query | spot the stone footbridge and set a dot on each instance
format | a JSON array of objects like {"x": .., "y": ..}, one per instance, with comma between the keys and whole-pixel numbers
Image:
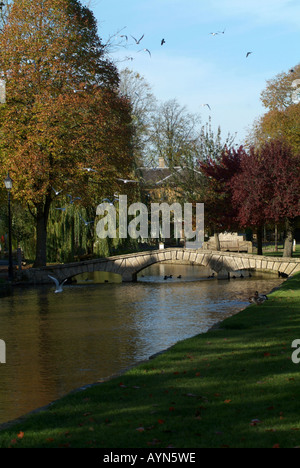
[{"x": 223, "y": 264}]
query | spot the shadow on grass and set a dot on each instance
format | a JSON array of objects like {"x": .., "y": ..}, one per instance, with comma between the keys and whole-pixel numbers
[{"x": 231, "y": 387}]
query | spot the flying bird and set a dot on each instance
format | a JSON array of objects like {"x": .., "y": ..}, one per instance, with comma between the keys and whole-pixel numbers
[
  {"x": 86, "y": 222},
  {"x": 203, "y": 105},
  {"x": 248, "y": 53},
  {"x": 145, "y": 50},
  {"x": 89, "y": 169},
  {"x": 222, "y": 32},
  {"x": 72, "y": 199},
  {"x": 138, "y": 41},
  {"x": 126, "y": 181},
  {"x": 56, "y": 191},
  {"x": 107, "y": 200},
  {"x": 214, "y": 34},
  {"x": 59, "y": 286},
  {"x": 162, "y": 42}
]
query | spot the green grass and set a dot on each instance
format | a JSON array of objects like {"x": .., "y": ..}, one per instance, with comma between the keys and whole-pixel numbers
[
  {"x": 269, "y": 252},
  {"x": 232, "y": 387}
]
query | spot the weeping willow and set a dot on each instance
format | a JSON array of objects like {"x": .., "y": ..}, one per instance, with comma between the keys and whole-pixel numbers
[{"x": 71, "y": 236}]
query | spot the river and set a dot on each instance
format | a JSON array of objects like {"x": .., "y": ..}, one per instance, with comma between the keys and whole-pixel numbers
[{"x": 56, "y": 343}]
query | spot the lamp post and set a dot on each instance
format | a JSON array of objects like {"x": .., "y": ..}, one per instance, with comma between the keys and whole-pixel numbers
[{"x": 8, "y": 185}]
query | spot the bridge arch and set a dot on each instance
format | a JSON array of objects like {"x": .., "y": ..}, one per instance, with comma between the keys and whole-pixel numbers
[{"x": 128, "y": 266}]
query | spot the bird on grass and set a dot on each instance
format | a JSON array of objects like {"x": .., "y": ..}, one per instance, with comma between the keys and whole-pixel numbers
[
  {"x": 258, "y": 299},
  {"x": 59, "y": 286}
]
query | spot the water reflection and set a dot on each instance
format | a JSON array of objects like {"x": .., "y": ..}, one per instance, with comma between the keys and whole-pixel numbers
[{"x": 58, "y": 342}]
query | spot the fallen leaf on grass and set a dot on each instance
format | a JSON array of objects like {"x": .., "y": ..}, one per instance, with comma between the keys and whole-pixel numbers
[
  {"x": 21, "y": 435},
  {"x": 227, "y": 401}
]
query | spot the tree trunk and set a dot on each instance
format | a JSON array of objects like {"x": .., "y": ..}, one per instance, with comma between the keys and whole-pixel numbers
[
  {"x": 259, "y": 234},
  {"x": 217, "y": 241},
  {"x": 276, "y": 238},
  {"x": 288, "y": 242},
  {"x": 41, "y": 233}
]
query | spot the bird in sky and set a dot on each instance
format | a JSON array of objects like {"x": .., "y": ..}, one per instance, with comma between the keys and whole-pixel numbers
[
  {"x": 56, "y": 191},
  {"x": 203, "y": 105},
  {"x": 72, "y": 199},
  {"x": 145, "y": 50},
  {"x": 214, "y": 33},
  {"x": 162, "y": 42},
  {"x": 89, "y": 169},
  {"x": 86, "y": 222},
  {"x": 107, "y": 200},
  {"x": 126, "y": 181},
  {"x": 138, "y": 40},
  {"x": 222, "y": 32},
  {"x": 248, "y": 53},
  {"x": 59, "y": 286}
]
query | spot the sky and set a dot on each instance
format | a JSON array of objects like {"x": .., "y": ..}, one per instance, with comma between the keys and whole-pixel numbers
[{"x": 193, "y": 66}]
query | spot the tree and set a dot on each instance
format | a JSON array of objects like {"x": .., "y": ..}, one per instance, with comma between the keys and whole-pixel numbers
[
  {"x": 266, "y": 189},
  {"x": 174, "y": 134},
  {"x": 63, "y": 113},
  {"x": 282, "y": 121},
  {"x": 220, "y": 212},
  {"x": 143, "y": 103}
]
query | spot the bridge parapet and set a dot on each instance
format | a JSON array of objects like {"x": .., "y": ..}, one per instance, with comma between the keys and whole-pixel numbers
[{"x": 224, "y": 264}]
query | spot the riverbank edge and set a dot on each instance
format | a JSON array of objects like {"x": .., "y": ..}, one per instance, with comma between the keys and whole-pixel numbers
[{"x": 217, "y": 326}]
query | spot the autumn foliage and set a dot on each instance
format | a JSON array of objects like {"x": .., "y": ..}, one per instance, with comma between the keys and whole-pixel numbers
[{"x": 63, "y": 113}]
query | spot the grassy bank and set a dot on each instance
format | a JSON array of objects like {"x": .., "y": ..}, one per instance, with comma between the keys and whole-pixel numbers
[{"x": 235, "y": 386}]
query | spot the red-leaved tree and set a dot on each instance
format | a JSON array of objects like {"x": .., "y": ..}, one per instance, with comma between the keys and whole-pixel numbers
[{"x": 267, "y": 189}]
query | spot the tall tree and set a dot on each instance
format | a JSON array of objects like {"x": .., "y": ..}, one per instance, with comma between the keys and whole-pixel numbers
[
  {"x": 220, "y": 212},
  {"x": 134, "y": 87},
  {"x": 174, "y": 133},
  {"x": 282, "y": 119},
  {"x": 266, "y": 189},
  {"x": 63, "y": 113}
]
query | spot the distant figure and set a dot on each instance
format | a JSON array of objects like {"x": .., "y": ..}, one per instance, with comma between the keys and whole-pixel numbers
[
  {"x": 242, "y": 276},
  {"x": 179, "y": 276},
  {"x": 282, "y": 275},
  {"x": 211, "y": 276}
]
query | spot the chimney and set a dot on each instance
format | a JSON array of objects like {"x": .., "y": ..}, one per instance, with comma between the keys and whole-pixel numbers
[{"x": 161, "y": 162}]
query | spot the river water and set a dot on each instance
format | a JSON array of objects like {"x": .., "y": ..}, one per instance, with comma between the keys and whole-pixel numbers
[{"x": 56, "y": 343}]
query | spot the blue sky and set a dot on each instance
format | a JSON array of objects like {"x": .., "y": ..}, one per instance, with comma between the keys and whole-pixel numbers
[{"x": 195, "y": 67}]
